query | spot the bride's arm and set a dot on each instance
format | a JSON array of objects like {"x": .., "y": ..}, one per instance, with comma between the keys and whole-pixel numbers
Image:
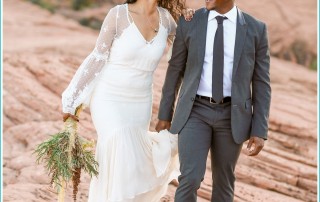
[
  {"x": 82, "y": 82},
  {"x": 171, "y": 34}
]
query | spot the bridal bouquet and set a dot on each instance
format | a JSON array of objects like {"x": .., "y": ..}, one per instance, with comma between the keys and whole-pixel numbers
[{"x": 65, "y": 154}]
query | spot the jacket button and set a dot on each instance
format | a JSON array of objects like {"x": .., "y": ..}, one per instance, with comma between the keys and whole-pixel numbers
[{"x": 192, "y": 99}]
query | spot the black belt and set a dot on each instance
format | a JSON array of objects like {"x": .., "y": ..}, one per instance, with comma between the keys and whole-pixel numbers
[{"x": 224, "y": 100}]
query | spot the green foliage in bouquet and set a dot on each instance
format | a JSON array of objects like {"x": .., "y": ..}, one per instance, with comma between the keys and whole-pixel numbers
[{"x": 65, "y": 154}]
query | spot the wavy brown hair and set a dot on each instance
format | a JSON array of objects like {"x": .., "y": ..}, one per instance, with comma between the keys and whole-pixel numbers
[{"x": 175, "y": 7}]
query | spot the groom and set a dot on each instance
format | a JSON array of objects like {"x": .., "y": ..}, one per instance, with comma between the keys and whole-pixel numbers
[{"x": 221, "y": 61}]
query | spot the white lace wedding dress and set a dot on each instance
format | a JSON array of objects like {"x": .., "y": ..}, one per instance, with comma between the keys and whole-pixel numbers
[{"x": 115, "y": 80}]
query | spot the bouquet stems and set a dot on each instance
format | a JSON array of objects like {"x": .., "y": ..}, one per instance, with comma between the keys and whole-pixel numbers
[{"x": 62, "y": 191}]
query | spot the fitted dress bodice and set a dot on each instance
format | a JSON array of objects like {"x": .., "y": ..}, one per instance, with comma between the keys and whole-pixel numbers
[{"x": 128, "y": 72}]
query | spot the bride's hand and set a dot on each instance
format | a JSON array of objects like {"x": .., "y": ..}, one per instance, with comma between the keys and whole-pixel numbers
[
  {"x": 67, "y": 115},
  {"x": 188, "y": 13}
]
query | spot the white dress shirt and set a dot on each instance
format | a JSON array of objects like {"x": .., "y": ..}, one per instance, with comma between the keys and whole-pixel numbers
[{"x": 229, "y": 37}]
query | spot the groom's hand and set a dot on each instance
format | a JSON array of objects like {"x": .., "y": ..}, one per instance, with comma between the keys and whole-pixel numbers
[
  {"x": 258, "y": 144},
  {"x": 162, "y": 125}
]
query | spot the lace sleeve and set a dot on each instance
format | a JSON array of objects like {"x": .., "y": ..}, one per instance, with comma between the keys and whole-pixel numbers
[
  {"x": 83, "y": 81},
  {"x": 171, "y": 26}
]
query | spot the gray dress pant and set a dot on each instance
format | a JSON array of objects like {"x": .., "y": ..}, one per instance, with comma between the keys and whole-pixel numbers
[{"x": 208, "y": 127}]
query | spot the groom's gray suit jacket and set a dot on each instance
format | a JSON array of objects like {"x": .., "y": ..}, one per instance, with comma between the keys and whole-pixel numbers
[{"x": 250, "y": 92}]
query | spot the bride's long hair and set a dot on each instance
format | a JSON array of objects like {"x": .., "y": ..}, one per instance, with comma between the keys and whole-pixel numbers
[{"x": 175, "y": 7}]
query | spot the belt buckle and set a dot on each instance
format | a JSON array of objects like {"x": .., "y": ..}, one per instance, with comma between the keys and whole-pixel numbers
[{"x": 211, "y": 101}]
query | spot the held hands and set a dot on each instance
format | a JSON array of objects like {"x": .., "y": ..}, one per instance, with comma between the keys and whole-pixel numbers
[
  {"x": 162, "y": 125},
  {"x": 67, "y": 115},
  {"x": 258, "y": 143},
  {"x": 188, "y": 13}
]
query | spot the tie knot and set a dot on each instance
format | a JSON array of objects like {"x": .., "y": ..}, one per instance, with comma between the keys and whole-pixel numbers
[{"x": 220, "y": 19}]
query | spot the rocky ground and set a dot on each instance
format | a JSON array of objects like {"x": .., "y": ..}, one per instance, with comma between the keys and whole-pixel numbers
[{"x": 43, "y": 50}]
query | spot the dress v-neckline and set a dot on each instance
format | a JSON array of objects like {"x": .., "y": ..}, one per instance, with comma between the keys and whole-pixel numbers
[{"x": 138, "y": 30}]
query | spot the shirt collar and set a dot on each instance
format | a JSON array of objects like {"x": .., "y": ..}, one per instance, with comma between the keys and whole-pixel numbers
[{"x": 231, "y": 15}]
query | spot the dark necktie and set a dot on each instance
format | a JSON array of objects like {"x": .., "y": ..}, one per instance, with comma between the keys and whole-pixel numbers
[{"x": 218, "y": 62}]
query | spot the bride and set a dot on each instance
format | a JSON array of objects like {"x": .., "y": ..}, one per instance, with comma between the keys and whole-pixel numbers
[{"x": 115, "y": 80}]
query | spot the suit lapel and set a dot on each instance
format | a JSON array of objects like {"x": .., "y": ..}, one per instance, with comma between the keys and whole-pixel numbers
[
  {"x": 240, "y": 41},
  {"x": 202, "y": 25}
]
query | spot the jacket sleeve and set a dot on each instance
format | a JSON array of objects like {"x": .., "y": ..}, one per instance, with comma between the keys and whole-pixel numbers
[
  {"x": 261, "y": 90},
  {"x": 175, "y": 72}
]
